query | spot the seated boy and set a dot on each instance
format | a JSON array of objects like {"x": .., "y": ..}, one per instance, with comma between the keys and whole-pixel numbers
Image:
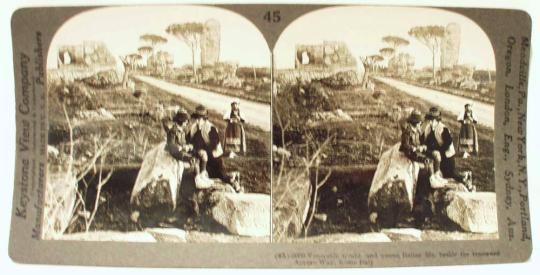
[
  {"x": 411, "y": 144},
  {"x": 175, "y": 129}
]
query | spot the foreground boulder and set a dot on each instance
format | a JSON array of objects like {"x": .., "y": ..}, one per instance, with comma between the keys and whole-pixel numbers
[
  {"x": 158, "y": 181},
  {"x": 291, "y": 200},
  {"x": 474, "y": 211},
  {"x": 392, "y": 189},
  {"x": 59, "y": 204},
  {"x": 242, "y": 214}
]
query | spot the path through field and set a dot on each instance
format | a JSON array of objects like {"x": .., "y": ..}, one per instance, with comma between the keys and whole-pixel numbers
[
  {"x": 255, "y": 113},
  {"x": 452, "y": 103}
]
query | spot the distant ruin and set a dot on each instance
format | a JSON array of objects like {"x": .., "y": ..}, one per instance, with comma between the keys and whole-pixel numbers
[
  {"x": 318, "y": 61},
  {"x": 330, "y": 55},
  {"x": 87, "y": 54},
  {"x": 210, "y": 43},
  {"x": 450, "y": 46},
  {"x": 82, "y": 60}
]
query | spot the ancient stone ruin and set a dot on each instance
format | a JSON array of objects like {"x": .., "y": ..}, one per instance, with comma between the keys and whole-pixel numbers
[
  {"x": 319, "y": 61},
  {"x": 391, "y": 197},
  {"x": 210, "y": 43},
  {"x": 158, "y": 189},
  {"x": 87, "y": 54},
  {"x": 81, "y": 61},
  {"x": 330, "y": 55},
  {"x": 450, "y": 46}
]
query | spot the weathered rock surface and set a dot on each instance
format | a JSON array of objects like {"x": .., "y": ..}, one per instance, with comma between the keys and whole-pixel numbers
[
  {"x": 158, "y": 181},
  {"x": 372, "y": 237},
  {"x": 291, "y": 204},
  {"x": 337, "y": 115},
  {"x": 403, "y": 234},
  {"x": 392, "y": 189},
  {"x": 242, "y": 214},
  {"x": 474, "y": 211},
  {"x": 61, "y": 191}
]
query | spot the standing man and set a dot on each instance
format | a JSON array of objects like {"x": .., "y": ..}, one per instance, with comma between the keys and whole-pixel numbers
[
  {"x": 440, "y": 146},
  {"x": 204, "y": 137}
]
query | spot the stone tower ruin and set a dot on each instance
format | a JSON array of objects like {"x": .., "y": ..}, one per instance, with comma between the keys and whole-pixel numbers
[
  {"x": 450, "y": 46},
  {"x": 210, "y": 43}
]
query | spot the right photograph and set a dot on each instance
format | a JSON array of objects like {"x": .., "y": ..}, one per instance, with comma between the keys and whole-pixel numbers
[{"x": 383, "y": 127}]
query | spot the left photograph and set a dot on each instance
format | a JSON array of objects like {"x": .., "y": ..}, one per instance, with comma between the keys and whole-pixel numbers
[{"x": 159, "y": 127}]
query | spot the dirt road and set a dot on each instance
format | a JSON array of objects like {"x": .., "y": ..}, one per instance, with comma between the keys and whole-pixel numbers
[
  {"x": 484, "y": 112},
  {"x": 257, "y": 114}
]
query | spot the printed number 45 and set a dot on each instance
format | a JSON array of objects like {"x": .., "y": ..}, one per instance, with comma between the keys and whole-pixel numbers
[{"x": 272, "y": 16}]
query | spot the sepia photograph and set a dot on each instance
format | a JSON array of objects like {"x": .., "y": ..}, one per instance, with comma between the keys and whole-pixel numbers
[
  {"x": 383, "y": 127},
  {"x": 159, "y": 127}
]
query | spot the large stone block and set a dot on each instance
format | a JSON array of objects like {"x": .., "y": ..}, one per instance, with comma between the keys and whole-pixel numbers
[
  {"x": 291, "y": 201},
  {"x": 392, "y": 189},
  {"x": 474, "y": 212},
  {"x": 158, "y": 181},
  {"x": 59, "y": 203},
  {"x": 242, "y": 214}
]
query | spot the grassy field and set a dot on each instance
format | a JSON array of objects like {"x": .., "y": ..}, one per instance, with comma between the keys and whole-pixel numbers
[
  {"x": 355, "y": 147},
  {"x": 261, "y": 95},
  {"x": 375, "y": 128},
  {"x": 134, "y": 131}
]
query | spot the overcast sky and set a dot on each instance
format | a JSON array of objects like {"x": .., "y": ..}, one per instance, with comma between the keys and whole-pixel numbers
[
  {"x": 362, "y": 28},
  {"x": 120, "y": 28}
]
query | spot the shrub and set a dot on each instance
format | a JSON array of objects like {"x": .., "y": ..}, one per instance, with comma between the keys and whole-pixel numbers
[
  {"x": 75, "y": 95},
  {"x": 341, "y": 80},
  {"x": 295, "y": 105},
  {"x": 101, "y": 80}
]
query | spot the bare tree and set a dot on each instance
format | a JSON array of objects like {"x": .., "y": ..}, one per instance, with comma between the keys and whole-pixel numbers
[
  {"x": 431, "y": 37},
  {"x": 129, "y": 61},
  {"x": 290, "y": 177},
  {"x": 189, "y": 33},
  {"x": 370, "y": 64}
]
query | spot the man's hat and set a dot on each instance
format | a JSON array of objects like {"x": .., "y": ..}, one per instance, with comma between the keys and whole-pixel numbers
[
  {"x": 415, "y": 117},
  {"x": 180, "y": 117},
  {"x": 433, "y": 113},
  {"x": 200, "y": 111}
]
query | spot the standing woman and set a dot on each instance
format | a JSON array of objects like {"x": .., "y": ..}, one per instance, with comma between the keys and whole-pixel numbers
[
  {"x": 235, "y": 136},
  {"x": 468, "y": 137}
]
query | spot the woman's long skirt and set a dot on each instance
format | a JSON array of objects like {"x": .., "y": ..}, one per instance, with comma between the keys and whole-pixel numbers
[
  {"x": 468, "y": 139},
  {"x": 235, "y": 140}
]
